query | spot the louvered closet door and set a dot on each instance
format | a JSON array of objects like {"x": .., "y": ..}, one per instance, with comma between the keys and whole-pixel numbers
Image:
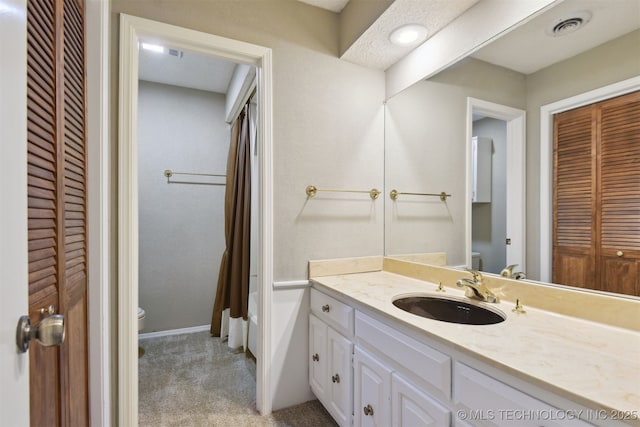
[
  {"x": 574, "y": 234},
  {"x": 57, "y": 208},
  {"x": 619, "y": 194},
  {"x": 596, "y": 241}
]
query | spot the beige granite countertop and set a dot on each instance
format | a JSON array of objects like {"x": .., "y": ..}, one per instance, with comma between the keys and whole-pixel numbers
[{"x": 590, "y": 363}]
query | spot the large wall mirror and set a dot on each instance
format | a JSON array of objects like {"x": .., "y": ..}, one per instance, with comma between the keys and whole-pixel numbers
[{"x": 473, "y": 132}]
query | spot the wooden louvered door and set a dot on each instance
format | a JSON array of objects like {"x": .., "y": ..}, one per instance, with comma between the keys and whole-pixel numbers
[
  {"x": 619, "y": 195},
  {"x": 596, "y": 241},
  {"x": 574, "y": 202},
  {"x": 57, "y": 207}
]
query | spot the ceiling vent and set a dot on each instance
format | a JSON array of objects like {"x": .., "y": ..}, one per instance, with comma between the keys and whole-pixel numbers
[
  {"x": 564, "y": 26},
  {"x": 177, "y": 53}
]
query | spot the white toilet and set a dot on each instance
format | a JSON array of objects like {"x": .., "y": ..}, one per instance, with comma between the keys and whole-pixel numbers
[{"x": 141, "y": 316}]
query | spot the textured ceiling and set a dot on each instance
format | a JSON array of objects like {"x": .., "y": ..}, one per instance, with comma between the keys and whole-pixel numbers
[
  {"x": 373, "y": 48},
  {"x": 189, "y": 70},
  {"x": 528, "y": 48}
]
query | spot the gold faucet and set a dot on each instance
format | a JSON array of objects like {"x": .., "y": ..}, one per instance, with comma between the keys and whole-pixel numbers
[
  {"x": 509, "y": 274},
  {"x": 476, "y": 289}
]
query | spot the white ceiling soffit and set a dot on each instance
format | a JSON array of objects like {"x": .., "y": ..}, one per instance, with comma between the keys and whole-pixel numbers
[
  {"x": 373, "y": 48},
  {"x": 528, "y": 48},
  {"x": 185, "y": 69},
  {"x": 332, "y": 5}
]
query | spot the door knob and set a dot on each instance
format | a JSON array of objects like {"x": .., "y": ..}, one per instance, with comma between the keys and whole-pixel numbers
[
  {"x": 368, "y": 410},
  {"x": 49, "y": 332},
  {"x": 620, "y": 253}
]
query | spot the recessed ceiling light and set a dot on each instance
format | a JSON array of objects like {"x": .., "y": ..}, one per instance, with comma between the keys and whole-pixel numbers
[
  {"x": 153, "y": 47},
  {"x": 408, "y": 35},
  {"x": 566, "y": 25}
]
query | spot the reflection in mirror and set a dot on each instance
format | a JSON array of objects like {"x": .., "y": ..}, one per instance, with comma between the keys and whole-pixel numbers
[{"x": 428, "y": 146}]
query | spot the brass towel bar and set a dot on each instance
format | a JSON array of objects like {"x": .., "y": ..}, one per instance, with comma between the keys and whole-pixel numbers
[
  {"x": 169, "y": 173},
  {"x": 395, "y": 193},
  {"x": 313, "y": 190}
]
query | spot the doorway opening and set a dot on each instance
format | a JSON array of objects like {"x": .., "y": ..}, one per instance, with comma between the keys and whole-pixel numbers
[
  {"x": 133, "y": 32},
  {"x": 489, "y": 194},
  {"x": 187, "y": 104},
  {"x": 513, "y": 164}
]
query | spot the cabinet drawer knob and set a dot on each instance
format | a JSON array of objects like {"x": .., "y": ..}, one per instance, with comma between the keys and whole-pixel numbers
[
  {"x": 315, "y": 357},
  {"x": 326, "y": 308},
  {"x": 368, "y": 410},
  {"x": 620, "y": 253},
  {"x": 335, "y": 378}
]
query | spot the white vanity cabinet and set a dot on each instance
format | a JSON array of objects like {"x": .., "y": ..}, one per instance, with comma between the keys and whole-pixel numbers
[
  {"x": 411, "y": 406},
  {"x": 492, "y": 403},
  {"x": 372, "y": 391},
  {"x": 392, "y": 376},
  {"x": 330, "y": 353},
  {"x": 383, "y": 397},
  {"x": 381, "y": 378}
]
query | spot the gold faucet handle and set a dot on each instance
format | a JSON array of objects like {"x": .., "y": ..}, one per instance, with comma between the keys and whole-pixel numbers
[
  {"x": 477, "y": 276},
  {"x": 519, "y": 308}
]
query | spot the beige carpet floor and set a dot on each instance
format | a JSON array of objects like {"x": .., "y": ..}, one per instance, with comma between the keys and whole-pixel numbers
[{"x": 195, "y": 380}]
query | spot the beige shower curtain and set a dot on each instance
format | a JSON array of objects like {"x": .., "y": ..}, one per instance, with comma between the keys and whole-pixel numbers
[{"x": 230, "y": 306}]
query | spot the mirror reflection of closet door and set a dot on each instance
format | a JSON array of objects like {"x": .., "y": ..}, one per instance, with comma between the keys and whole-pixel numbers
[{"x": 596, "y": 213}]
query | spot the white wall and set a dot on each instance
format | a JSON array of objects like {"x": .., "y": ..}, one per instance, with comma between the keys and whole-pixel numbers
[
  {"x": 181, "y": 225},
  {"x": 425, "y": 147},
  {"x": 489, "y": 220},
  {"x": 327, "y": 131}
]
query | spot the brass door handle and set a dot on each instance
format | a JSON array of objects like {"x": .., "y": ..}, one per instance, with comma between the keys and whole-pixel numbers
[
  {"x": 335, "y": 378},
  {"x": 326, "y": 308},
  {"x": 368, "y": 410},
  {"x": 620, "y": 253}
]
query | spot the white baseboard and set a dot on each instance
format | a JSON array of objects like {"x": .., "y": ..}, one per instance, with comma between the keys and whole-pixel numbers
[{"x": 174, "y": 332}]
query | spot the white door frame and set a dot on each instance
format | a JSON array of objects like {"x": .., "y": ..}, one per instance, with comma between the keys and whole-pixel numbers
[
  {"x": 100, "y": 305},
  {"x": 14, "y": 366},
  {"x": 516, "y": 173},
  {"x": 546, "y": 159},
  {"x": 132, "y": 30}
]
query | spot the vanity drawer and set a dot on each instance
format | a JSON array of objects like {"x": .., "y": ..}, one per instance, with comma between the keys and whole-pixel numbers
[
  {"x": 490, "y": 402},
  {"x": 421, "y": 361},
  {"x": 332, "y": 311}
]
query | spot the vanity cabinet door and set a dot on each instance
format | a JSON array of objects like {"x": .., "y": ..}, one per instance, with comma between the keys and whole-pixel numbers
[
  {"x": 318, "y": 357},
  {"x": 411, "y": 407},
  {"x": 339, "y": 377},
  {"x": 372, "y": 383},
  {"x": 484, "y": 401}
]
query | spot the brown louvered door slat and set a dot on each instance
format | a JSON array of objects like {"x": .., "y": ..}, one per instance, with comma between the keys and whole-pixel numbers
[
  {"x": 57, "y": 207},
  {"x": 619, "y": 194},
  {"x": 574, "y": 198},
  {"x": 596, "y": 235},
  {"x": 43, "y": 204},
  {"x": 74, "y": 354}
]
